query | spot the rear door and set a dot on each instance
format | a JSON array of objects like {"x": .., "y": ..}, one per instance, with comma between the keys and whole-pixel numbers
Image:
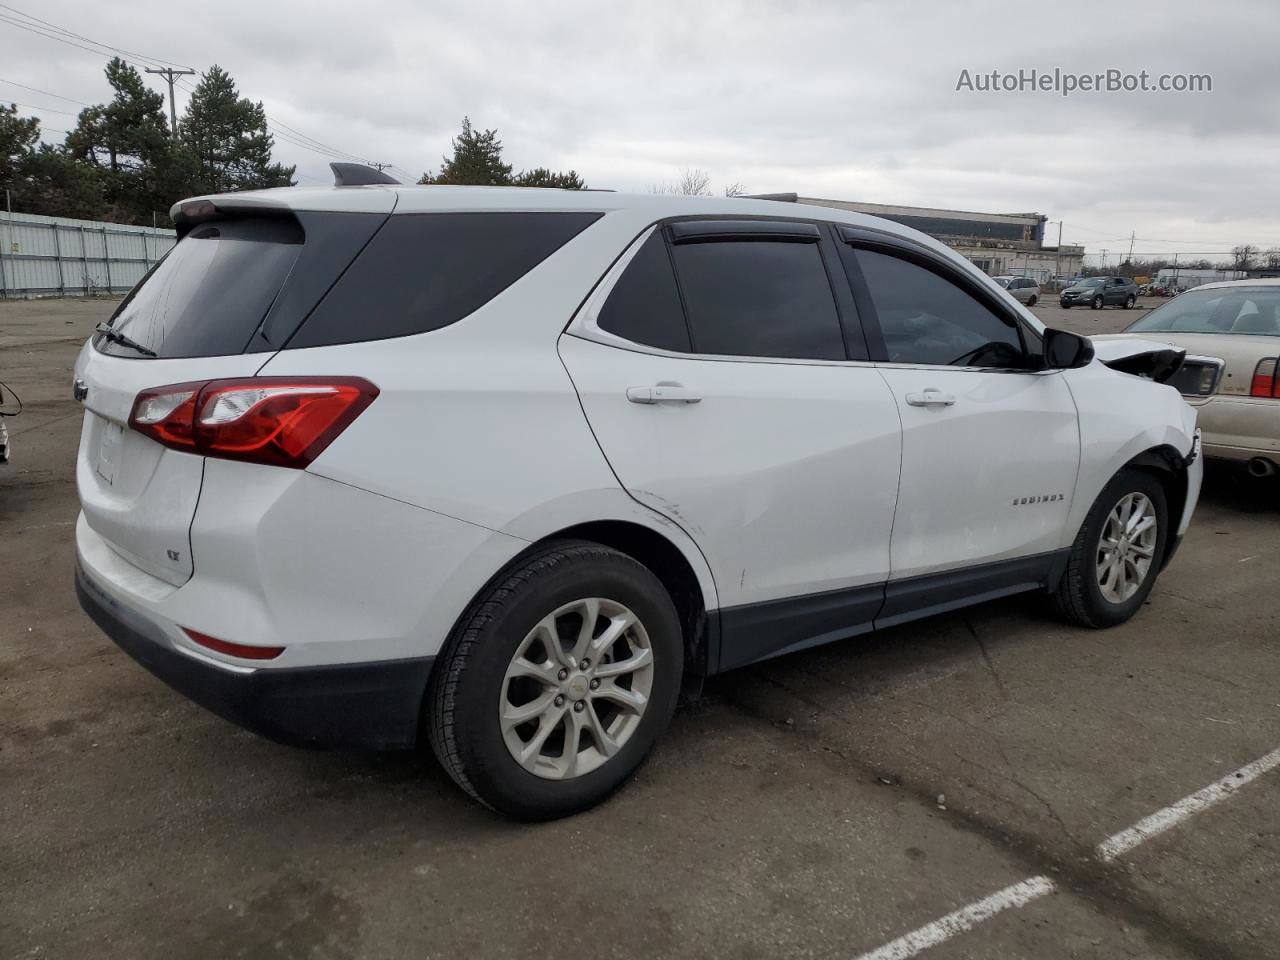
[
  {"x": 990, "y": 446},
  {"x": 727, "y": 403},
  {"x": 192, "y": 318}
]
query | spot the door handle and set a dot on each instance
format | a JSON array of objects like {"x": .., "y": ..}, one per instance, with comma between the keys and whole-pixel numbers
[
  {"x": 931, "y": 398},
  {"x": 662, "y": 393}
]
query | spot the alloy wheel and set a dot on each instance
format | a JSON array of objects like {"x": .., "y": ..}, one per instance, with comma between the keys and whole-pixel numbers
[
  {"x": 1127, "y": 547},
  {"x": 576, "y": 689}
]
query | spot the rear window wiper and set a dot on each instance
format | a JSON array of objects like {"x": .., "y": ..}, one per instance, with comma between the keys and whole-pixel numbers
[{"x": 124, "y": 341}]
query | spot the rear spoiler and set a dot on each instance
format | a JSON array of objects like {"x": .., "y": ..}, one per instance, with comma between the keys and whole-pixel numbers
[{"x": 190, "y": 213}]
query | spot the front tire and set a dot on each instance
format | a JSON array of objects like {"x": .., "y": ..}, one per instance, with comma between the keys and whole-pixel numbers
[
  {"x": 1116, "y": 557},
  {"x": 557, "y": 681},
  {"x": 1032, "y": 301},
  {"x": 1098, "y": 303}
]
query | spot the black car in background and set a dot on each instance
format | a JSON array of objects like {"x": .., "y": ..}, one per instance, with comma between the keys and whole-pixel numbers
[{"x": 1099, "y": 292}]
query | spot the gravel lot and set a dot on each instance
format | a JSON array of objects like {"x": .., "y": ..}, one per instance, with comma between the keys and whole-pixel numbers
[{"x": 820, "y": 805}]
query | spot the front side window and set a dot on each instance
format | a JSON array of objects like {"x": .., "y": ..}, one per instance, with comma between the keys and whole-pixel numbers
[
  {"x": 1245, "y": 310},
  {"x": 926, "y": 318},
  {"x": 759, "y": 298}
]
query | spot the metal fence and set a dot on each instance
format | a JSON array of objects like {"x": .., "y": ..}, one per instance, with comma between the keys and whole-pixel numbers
[{"x": 58, "y": 257}]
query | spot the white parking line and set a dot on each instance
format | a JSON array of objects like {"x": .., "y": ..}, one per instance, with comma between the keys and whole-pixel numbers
[
  {"x": 966, "y": 918},
  {"x": 1033, "y": 888},
  {"x": 1171, "y": 816}
]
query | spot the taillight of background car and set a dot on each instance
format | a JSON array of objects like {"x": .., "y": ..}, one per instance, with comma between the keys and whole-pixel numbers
[
  {"x": 282, "y": 421},
  {"x": 1264, "y": 379}
]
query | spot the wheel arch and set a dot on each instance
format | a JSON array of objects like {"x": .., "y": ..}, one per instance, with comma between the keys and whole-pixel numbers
[
  {"x": 668, "y": 562},
  {"x": 1169, "y": 466}
]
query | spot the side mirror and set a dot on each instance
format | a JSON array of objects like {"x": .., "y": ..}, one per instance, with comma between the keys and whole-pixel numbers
[{"x": 1066, "y": 351}]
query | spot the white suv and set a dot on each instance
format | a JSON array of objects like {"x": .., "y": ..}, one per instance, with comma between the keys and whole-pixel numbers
[{"x": 506, "y": 469}]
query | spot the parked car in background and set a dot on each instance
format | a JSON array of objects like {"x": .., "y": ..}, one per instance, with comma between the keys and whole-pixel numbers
[
  {"x": 1023, "y": 289},
  {"x": 1231, "y": 332},
  {"x": 502, "y": 470},
  {"x": 1099, "y": 292}
]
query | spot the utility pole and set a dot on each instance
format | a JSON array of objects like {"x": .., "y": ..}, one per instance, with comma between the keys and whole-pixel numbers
[
  {"x": 1057, "y": 260},
  {"x": 170, "y": 74},
  {"x": 1131, "y": 239},
  {"x": 380, "y": 166}
]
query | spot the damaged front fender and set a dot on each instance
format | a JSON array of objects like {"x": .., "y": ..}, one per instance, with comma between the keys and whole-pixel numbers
[{"x": 1142, "y": 358}]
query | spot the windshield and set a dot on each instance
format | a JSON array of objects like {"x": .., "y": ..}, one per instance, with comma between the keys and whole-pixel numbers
[
  {"x": 1003, "y": 281},
  {"x": 1254, "y": 311},
  {"x": 1094, "y": 282}
]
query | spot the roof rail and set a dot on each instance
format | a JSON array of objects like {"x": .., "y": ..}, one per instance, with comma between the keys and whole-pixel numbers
[
  {"x": 780, "y": 197},
  {"x": 358, "y": 175}
]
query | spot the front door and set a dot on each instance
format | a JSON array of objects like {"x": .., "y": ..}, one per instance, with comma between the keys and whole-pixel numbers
[{"x": 990, "y": 446}]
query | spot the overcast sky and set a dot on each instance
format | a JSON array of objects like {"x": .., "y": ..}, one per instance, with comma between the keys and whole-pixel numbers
[{"x": 846, "y": 100}]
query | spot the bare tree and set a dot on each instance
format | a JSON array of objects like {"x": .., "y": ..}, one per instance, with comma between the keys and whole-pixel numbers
[
  {"x": 735, "y": 189},
  {"x": 1271, "y": 258},
  {"x": 1243, "y": 256},
  {"x": 693, "y": 183}
]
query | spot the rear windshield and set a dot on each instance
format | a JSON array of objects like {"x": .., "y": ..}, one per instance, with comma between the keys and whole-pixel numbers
[
  {"x": 208, "y": 296},
  {"x": 1254, "y": 311},
  {"x": 425, "y": 271}
]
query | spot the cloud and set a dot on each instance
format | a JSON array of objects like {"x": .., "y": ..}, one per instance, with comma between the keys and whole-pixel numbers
[{"x": 853, "y": 100}]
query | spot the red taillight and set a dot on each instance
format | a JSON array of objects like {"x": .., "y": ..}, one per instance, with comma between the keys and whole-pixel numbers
[
  {"x": 1264, "y": 379},
  {"x": 284, "y": 421},
  {"x": 240, "y": 650}
]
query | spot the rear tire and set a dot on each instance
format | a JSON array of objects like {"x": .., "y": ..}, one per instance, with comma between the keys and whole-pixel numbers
[
  {"x": 1128, "y": 304},
  {"x": 1088, "y": 593},
  {"x": 500, "y": 663},
  {"x": 1032, "y": 301}
]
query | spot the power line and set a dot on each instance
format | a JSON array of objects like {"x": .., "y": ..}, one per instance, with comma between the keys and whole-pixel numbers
[
  {"x": 70, "y": 33},
  {"x": 57, "y": 96},
  {"x": 48, "y": 36},
  {"x": 156, "y": 65},
  {"x": 297, "y": 138},
  {"x": 32, "y": 106}
]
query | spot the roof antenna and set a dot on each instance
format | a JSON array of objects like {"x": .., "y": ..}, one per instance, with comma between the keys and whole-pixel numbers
[{"x": 359, "y": 175}]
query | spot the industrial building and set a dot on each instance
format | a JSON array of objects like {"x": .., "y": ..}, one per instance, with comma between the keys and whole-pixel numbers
[
  {"x": 999, "y": 244},
  {"x": 61, "y": 257}
]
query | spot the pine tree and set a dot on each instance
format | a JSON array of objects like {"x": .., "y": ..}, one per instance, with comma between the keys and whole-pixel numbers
[
  {"x": 228, "y": 137},
  {"x": 18, "y": 137},
  {"x": 542, "y": 177},
  {"x": 128, "y": 146},
  {"x": 477, "y": 160},
  {"x": 57, "y": 185}
]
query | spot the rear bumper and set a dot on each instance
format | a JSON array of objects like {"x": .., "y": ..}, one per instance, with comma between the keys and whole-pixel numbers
[
  {"x": 374, "y": 705},
  {"x": 1240, "y": 428}
]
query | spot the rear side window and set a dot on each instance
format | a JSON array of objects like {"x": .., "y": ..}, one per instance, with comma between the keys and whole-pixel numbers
[
  {"x": 644, "y": 306},
  {"x": 926, "y": 318},
  {"x": 422, "y": 272},
  {"x": 210, "y": 292},
  {"x": 759, "y": 299}
]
